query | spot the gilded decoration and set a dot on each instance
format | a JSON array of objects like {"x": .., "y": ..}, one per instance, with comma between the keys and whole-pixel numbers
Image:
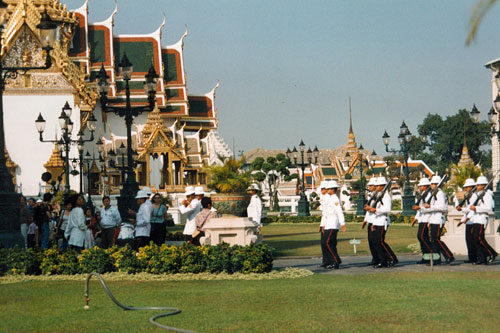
[
  {"x": 157, "y": 137},
  {"x": 55, "y": 161},
  {"x": 11, "y": 166},
  {"x": 24, "y": 17},
  {"x": 38, "y": 83},
  {"x": 25, "y": 51}
]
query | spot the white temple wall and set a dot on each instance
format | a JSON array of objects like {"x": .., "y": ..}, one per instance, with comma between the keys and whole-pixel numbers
[{"x": 22, "y": 138}]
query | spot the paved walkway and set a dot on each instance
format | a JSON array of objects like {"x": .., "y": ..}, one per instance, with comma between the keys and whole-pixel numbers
[{"x": 359, "y": 265}]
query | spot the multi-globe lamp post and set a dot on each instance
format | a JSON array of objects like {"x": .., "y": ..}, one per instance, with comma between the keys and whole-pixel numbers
[
  {"x": 301, "y": 159},
  {"x": 9, "y": 199},
  {"x": 89, "y": 161},
  {"x": 130, "y": 186},
  {"x": 65, "y": 142},
  {"x": 404, "y": 138}
]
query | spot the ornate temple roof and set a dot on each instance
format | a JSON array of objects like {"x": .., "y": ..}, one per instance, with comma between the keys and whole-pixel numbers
[{"x": 96, "y": 45}]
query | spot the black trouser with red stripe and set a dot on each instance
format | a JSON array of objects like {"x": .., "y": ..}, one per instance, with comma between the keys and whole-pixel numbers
[
  {"x": 423, "y": 238},
  {"x": 384, "y": 251},
  {"x": 438, "y": 246},
  {"x": 483, "y": 249},
  {"x": 373, "y": 245},
  {"x": 469, "y": 241},
  {"x": 329, "y": 247}
]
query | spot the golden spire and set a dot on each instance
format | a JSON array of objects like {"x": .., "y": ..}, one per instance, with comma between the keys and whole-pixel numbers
[{"x": 351, "y": 140}]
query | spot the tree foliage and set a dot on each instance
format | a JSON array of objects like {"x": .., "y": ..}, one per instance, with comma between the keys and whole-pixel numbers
[
  {"x": 274, "y": 169},
  {"x": 446, "y": 139}
]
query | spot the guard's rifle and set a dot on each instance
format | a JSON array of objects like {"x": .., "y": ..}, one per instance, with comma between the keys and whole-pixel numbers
[
  {"x": 380, "y": 195},
  {"x": 481, "y": 194},
  {"x": 372, "y": 197},
  {"x": 422, "y": 196},
  {"x": 436, "y": 189},
  {"x": 467, "y": 196}
]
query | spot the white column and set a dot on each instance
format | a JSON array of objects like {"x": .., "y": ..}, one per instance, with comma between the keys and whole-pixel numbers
[{"x": 495, "y": 146}]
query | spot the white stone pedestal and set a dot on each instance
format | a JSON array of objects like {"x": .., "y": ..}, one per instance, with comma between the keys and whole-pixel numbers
[
  {"x": 455, "y": 236},
  {"x": 230, "y": 230}
]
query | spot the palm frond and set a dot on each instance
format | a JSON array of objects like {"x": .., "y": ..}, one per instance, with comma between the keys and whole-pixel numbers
[{"x": 478, "y": 12}]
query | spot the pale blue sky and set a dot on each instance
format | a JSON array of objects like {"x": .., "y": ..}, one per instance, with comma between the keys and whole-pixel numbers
[{"x": 288, "y": 67}]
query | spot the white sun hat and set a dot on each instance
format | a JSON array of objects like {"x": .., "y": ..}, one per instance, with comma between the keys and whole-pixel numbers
[
  {"x": 189, "y": 190},
  {"x": 482, "y": 180},
  {"x": 469, "y": 182},
  {"x": 141, "y": 194},
  {"x": 435, "y": 179},
  {"x": 424, "y": 182},
  {"x": 323, "y": 184},
  {"x": 253, "y": 187},
  {"x": 198, "y": 190},
  {"x": 381, "y": 181},
  {"x": 333, "y": 184}
]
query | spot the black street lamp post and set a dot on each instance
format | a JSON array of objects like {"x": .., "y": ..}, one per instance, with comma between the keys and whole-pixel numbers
[
  {"x": 494, "y": 119},
  {"x": 89, "y": 160},
  {"x": 122, "y": 149},
  {"x": 65, "y": 142},
  {"x": 130, "y": 186},
  {"x": 404, "y": 138},
  {"x": 306, "y": 158},
  {"x": 9, "y": 199}
]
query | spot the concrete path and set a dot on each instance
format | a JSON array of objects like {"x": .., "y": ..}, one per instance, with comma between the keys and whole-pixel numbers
[{"x": 359, "y": 265}]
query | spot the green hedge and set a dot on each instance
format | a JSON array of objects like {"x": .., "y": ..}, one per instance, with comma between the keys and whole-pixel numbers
[
  {"x": 151, "y": 259},
  {"x": 395, "y": 218}
]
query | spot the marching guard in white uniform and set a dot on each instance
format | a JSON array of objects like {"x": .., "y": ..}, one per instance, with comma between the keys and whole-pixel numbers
[
  {"x": 380, "y": 224},
  {"x": 423, "y": 219},
  {"x": 482, "y": 208},
  {"x": 436, "y": 208},
  {"x": 467, "y": 219},
  {"x": 368, "y": 221},
  {"x": 334, "y": 219}
]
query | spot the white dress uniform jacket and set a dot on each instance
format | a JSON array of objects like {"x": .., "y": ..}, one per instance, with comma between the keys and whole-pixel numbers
[
  {"x": 254, "y": 209},
  {"x": 76, "y": 228},
  {"x": 334, "y": 217},
  {"x": 422, "y": 215},
  {"x": 369, "y": 216},
  {"x": 190, "y": 211},
  {"x": 143, "y": 218},
  {"x": 468, "y": 213},
  {"x": 384, "y": 207},
  {"x": 437, "y": 208},
  {"x": 322, "y": 204},
  {"x": 483, "y": 208}
]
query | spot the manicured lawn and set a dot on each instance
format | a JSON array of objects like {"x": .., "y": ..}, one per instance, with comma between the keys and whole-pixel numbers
[
  {"x": 424, "y": 302},
  {"x": 304, "y": 239}
]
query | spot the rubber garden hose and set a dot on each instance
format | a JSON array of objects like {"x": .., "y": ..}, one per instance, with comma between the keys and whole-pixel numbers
[{"x": 152, "y": 320}]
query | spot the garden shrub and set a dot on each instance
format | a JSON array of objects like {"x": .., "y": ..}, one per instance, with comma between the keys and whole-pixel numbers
[
  {"x": 125, "y": 260},
  {"x": 96, "y": 260},
  {"x": 151, "y": 259},
  {"x": 54, "y": 261}
]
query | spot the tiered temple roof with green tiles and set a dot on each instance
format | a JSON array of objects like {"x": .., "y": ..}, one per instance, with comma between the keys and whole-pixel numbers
[{"x": 179, "y": 137}]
